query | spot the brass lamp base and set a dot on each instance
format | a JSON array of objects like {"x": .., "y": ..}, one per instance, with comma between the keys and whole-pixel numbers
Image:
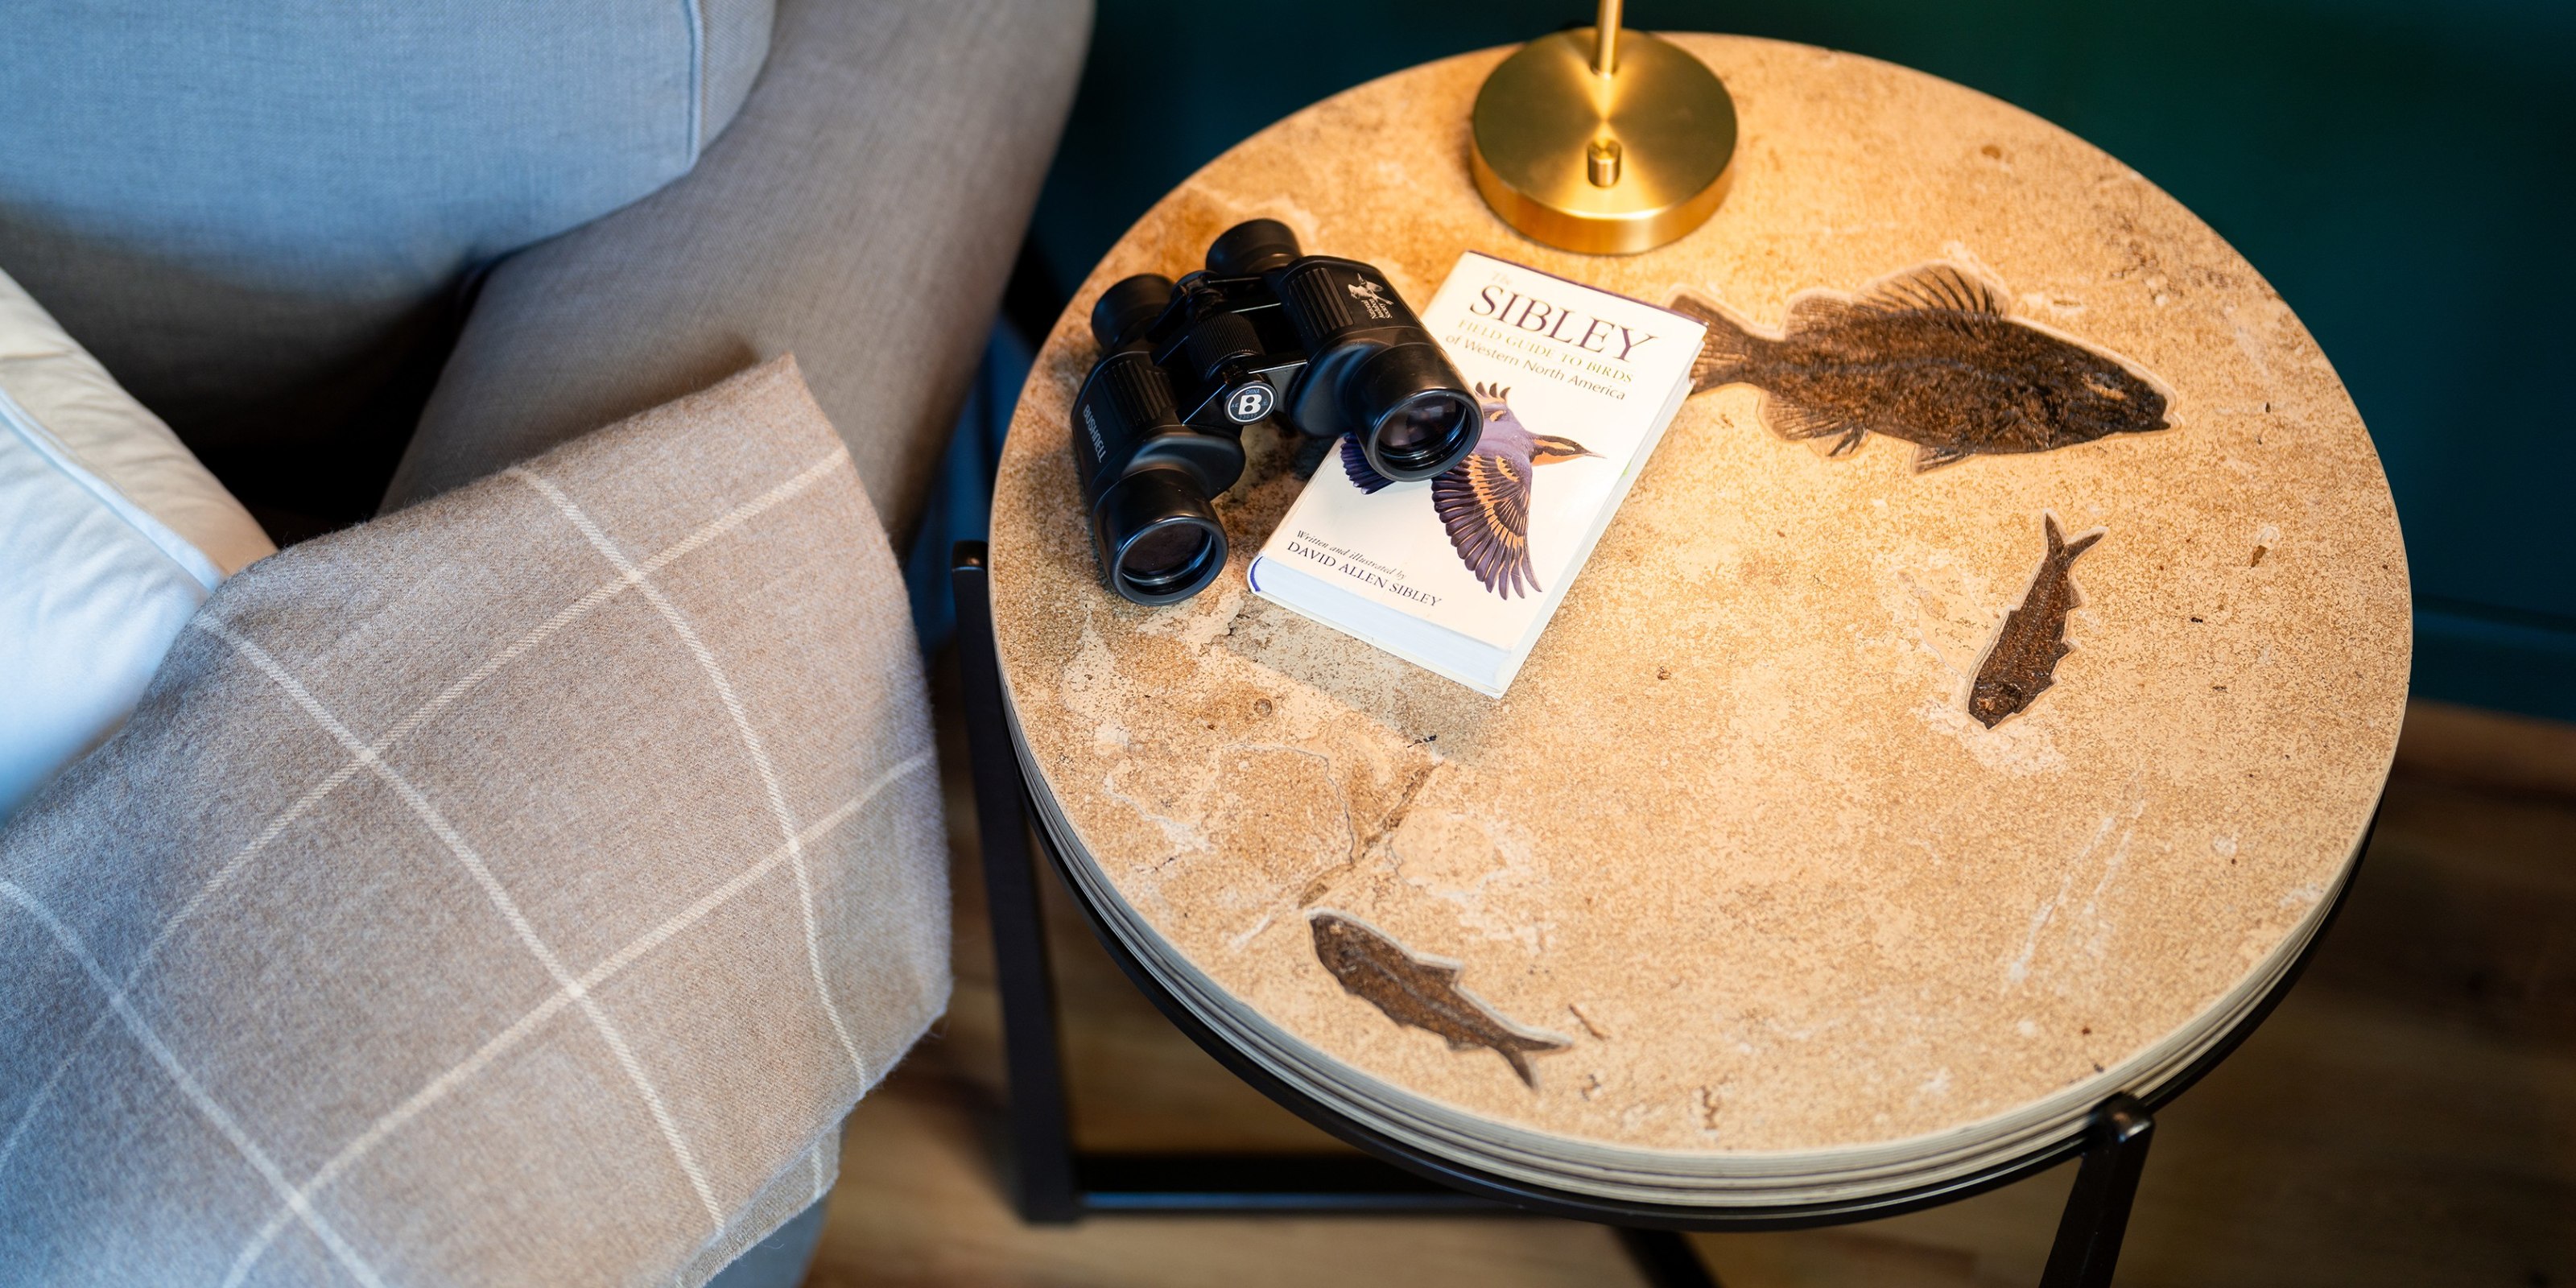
[{"x": 1605, "y": 164}]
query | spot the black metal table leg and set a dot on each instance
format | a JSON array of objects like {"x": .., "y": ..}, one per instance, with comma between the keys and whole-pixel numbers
[
  {"x": 1666, "y": 1259},
  {"x": 1052, "y": 1181},
  {"x": 2097, "y": 1212},
  {"x": 1043, "y": 1179}
]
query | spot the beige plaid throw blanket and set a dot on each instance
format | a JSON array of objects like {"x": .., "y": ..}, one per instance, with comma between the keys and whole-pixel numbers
[{"x": 515, "y": 890}]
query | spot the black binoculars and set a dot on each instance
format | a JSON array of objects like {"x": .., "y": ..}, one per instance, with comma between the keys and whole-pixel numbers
[{"x": 1319, "y": 345}]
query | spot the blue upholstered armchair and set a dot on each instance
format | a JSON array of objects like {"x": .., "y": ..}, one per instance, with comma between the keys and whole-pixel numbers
[
  {"x": 359, "y": 252},
  {"x": 339, "y": 244}
]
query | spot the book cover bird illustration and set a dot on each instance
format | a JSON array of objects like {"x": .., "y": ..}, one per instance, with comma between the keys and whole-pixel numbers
[
  {"x": 1484, "y": 500},
  {"x": 1460, "y": 573}
]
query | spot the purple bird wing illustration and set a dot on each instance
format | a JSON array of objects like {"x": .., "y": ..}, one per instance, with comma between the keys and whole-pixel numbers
[
  {"x": 1484, "y": 502},
  {"x": 1367, "y": 480}
]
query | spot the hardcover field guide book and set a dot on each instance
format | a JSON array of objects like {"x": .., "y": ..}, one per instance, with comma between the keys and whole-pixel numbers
[{"x": 1459, "y": 574}]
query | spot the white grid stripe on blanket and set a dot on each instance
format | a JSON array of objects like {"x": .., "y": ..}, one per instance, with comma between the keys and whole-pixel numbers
[
  {"x": 188, "y": 1086},
  {"x": 438, "y": 1088},
  {"x": 432, "y": 1148},
  {"x": 570, "y": 613},
  {"x": 509, "y": 908},
  {"x": 777, "y": 794}
]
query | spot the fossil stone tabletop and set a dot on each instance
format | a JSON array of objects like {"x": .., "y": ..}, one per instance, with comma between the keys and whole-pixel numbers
[{"x": 1736, "y": 842}]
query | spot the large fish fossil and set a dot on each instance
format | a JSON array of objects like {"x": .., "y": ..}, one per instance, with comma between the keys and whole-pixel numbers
[
  {"x": 1420, "y": 993},
  {"x": 1930, "y": 355},
  {"x": 2022, "y": 662}
]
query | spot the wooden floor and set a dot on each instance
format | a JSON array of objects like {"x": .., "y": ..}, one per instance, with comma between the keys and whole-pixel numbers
[{"x": 2408, "y": 1116}]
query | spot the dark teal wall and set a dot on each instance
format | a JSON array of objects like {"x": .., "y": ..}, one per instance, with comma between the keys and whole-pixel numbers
[{"x": 2403, "y": 171}]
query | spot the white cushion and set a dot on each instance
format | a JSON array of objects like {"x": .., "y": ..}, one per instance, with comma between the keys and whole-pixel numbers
[
  {"x": 114, "y": 437},
  {"x": 111, "y": 534}
]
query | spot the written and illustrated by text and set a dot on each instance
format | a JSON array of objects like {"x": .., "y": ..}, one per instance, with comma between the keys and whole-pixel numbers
[{"x": 1306, "y": 545}]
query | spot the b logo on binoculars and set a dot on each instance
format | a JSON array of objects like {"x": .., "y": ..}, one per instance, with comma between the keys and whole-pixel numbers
[{"x": 1249, "y": 403}]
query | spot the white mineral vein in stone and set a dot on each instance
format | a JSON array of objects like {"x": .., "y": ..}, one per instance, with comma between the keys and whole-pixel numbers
[{"x": 2018, "y": 969}]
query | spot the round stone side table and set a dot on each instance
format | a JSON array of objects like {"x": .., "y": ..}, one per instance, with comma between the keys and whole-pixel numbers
[{"x": 1820, "y": 942}]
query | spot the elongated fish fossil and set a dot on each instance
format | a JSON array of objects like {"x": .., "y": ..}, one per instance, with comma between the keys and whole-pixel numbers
[
  {"x": 1930, "y": 355},
  {"x": 1420, "y": 993},
  {"x": 2022, "y": 662}
]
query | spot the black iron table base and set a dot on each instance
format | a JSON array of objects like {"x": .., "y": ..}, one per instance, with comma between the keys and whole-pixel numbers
[{"x": 1053, "y": 1182}]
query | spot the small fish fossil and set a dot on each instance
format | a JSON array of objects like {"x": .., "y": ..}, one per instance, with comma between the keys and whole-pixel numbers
[
  {"x": 2022, "y": 662},
  {"x": 1422, "y": 994},
  {"x": 1930, "y": 355}
]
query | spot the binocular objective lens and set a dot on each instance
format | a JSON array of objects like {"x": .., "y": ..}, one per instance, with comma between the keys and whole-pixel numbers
[
  {"x": 1165, "y": 555},
  {"x": 1410, "y": 409},
  {"x": 1158, "y": 538},
  {"x": 1424, "y": 431}
]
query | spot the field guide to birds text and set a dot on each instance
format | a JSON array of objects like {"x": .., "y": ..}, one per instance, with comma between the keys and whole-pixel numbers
[{"x": 1460, "y": 573}]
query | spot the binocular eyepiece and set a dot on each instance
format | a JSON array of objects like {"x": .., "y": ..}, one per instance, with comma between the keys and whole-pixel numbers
[{"x": 1265, "y": 333}]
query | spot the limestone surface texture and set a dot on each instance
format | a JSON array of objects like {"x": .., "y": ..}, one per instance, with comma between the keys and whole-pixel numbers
[{"x": 1733, "y": 835}]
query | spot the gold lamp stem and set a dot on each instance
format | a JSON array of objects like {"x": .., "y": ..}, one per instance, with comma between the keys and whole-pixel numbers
[{"x": 1605, "y": 39}]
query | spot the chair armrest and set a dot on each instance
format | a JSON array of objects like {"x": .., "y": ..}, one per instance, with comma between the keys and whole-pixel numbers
[{"x": 862, "y": 212}]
